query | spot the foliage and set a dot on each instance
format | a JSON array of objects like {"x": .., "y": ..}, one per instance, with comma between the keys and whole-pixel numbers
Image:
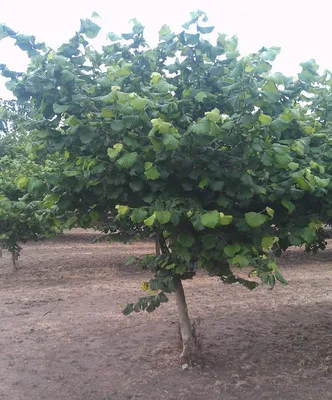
[
  {"x": 23, "y": 184},
  {"x": 226, "y": 162},
  {"x": 12, "y": 114}
]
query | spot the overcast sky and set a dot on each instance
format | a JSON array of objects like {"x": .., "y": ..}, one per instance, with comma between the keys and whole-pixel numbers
[{"x": 301, "y": 28}]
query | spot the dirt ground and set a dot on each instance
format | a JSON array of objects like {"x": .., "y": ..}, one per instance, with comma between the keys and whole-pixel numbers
[{"x": 62, "y": 334}]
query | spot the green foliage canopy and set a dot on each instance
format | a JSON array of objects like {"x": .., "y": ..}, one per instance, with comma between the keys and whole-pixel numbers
[{"x": 226, "y": 162}]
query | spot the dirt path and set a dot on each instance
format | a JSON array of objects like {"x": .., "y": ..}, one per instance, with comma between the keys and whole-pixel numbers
[{"x": 62, "y": 334}]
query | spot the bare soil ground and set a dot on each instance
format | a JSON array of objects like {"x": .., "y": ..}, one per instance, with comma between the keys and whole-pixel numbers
[{"x": 62, "y": 334}]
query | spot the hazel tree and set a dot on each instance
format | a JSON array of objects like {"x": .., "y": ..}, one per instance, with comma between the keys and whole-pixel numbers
[
  {"x": 225, "y": 162},
  {"x": 24, "y": 181}
]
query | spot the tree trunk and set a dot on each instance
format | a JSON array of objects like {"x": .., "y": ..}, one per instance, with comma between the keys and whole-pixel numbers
[
  {"x": 189, "y": 345},
  {"x": 14, "y": 259},
  {"x": 190, "y": 348},
  {"x": 158, "y": 250}
]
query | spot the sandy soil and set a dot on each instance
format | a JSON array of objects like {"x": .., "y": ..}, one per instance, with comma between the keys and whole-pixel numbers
[{"x": 62, "y": 334}]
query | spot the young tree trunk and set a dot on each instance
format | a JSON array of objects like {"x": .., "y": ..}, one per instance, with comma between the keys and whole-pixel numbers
[
  {"x": 188, "y": 336},
  {"x": 189, "y": 345},
  {"x": 158, "y": 250},
  {"x": 14, "y": 259}
]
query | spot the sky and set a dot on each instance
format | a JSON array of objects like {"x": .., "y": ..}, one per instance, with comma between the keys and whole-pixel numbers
[{"x": 301, "y": 28}]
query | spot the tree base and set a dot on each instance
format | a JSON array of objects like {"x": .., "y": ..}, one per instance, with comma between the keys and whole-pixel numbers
[
  {"x": 14, "y": 261},
  {"x": 191, "y": 348}
]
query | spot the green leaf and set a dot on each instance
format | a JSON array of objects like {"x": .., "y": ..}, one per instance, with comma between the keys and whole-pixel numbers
[
  {"x": 309, "y": 234},
  {"x": 107, "y": 112},
  {"x": 240, "y": 260},
  {"x": 148, "y": 165},
  {"x": 164, "y": 31},
  {"x": 162, "y": 297},
  {"x": 64, "y": 202},
  {"x": 265, "y": 119},
  {"x": 163, "y": 87},
  {"x": 200, "y": 96},
  {"x": 271, "y": 53},
  {"x": 60, "y": 108},
  {"x": 86, "y": 136},
  {"x": 294, "y": 240},
  {"x": 128, "y": 309},
  {"x": 113, "y": 37},
  {"x": 22, "y": 181},
  {"x": 303, "y": 184},
  {"x": 214, "y": 115},
  {"x": 152, "y": 173},
  {"x": 95, "y": 15},
  {"x": 322, "y": 182},
  {"x": 225, "y": 219},
  {"x": 34, "y": 184},
  {"x": 122, "y": 210},
  {"x": 72, "y": 121},
  {"x": 51, "y": 199},
  {"x": 150, "y": 221},
  {"x": 161, "y": 126},
  {"x": 293, "y": 166},
  {"x": 232, "y": 54},
  {"x": 127, "y": 160},
  {"x": 192, "y": 39},
  {"x": 254, "y": 219},
  {"x": 279, "y": 125},
  {"x": 280, "y": 278},
  {"x": 288, "y": 204},
  {"x": 170, "y": 141},
  {"x": 203, "y": 183},
  {"x": 113, "y": 153},
  {"x": 163, "y": 217},
  {"x": 94, "y": 215},
  {"x": 89, "y": 28},
  {"x": 269, "y": 212},
  {"x": 283, "y": 160},
  {"x": 138, "y": 103},
  {"x": 138, "y": 215},
  {"x": 231, "y": 249},
  {"x": 71, "y": 222},
  {"x": 267, "y": 242},
  {"x": 210, "y": 219},
  {"x": 5, "y": 32},
  {"x": 205, "y": 30},
  {"x": 186, "y": 239},
  {"x": 201, "y": 127},
  {"x": 280, "y": 149},
  {"x": 131, "y": 121},
  {"x": 270, "y": 87},
  {"x": 155, "y": 77}
]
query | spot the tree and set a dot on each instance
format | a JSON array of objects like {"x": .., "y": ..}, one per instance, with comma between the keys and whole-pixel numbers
[
  {"x": 225, "y": 162},
  {"x": 12, "y": 112},
  {"x": 25, "y": 214}
]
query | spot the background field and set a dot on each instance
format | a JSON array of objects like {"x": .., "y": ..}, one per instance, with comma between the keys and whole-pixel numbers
[{"x": 62, "y": 334}]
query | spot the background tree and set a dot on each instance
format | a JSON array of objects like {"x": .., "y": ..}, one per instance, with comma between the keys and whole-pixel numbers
[
  {"x": 225, "y": 162},
  {"x": 24, "y": 213}
]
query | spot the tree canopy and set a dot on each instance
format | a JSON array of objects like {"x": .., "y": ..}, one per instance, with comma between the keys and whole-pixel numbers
[{"x": 226, "y": 162}]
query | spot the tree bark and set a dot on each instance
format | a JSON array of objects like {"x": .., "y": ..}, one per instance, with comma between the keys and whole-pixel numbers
[
  {"x": 190, "y": 348},
  {"x": 158, "y": 251},
  {"x": 189, "y": 345},
  {"x": 14, "y": 259}
]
